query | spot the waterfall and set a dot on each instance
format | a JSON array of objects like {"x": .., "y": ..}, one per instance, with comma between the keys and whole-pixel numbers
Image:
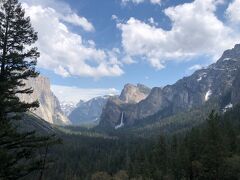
[{"x": 121, "y": 123}]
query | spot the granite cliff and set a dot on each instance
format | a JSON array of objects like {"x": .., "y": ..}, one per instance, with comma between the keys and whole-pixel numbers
[
  {"x": 49, "y": 106},
  {"x": 218, "y": 81}
]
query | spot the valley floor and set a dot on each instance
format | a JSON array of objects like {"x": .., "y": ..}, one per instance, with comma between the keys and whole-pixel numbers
[{"x": 209, "y": 151}]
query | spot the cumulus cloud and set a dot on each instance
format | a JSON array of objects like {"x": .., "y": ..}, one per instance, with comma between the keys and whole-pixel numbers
[
  {"x": 79, "y": 21},
  {"x": 196, "y": 30},
  {"x": 233, "y": 11},
  {"x": 152, "y": 21},
  {"x": 141, "y": 1},
  {"x": 64, "y": 12},
  {"x": 75, "y": 94},
  {"x": 65, "y": 52}
]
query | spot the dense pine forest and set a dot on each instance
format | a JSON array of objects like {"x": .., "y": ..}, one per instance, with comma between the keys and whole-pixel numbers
[
  {"x": 197, "y": 144},
  {"x": 209, "y": 151}
]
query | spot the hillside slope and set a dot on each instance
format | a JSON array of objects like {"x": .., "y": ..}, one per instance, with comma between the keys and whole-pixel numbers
[{"x": 215, "y": 81}]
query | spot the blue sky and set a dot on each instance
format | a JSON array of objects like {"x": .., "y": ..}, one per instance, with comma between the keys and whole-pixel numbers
[{"x": 94, "y": 47}]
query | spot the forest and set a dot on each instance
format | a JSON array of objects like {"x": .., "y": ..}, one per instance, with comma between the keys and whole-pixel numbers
[
  {"x": 209, "y": 148},
  {"x": 209, "y": 151}
]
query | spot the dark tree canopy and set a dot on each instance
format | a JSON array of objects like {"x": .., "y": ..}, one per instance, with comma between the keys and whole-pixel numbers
[
  {"x": 21, "y": 153},
  {"x": 17, "y": 58}
]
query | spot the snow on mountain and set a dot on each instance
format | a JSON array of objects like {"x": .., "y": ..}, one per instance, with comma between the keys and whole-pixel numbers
[{"x": 67, "y": 107}]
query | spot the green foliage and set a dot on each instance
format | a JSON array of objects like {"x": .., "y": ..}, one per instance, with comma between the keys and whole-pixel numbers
[
  {"x": 20, "y": 152},
  {"x": 213, "y": 152},
  {"x": 209, "y": 151},
  {"x": 17, "y": 59}
]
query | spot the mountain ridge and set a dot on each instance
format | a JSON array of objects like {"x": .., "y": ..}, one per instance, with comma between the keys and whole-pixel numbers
[
  {"x": 189, "y": 92},
  {"x": 88, "y": 112}
]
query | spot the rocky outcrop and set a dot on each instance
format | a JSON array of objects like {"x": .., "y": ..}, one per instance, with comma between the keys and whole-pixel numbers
[
  {"x": 190, "y": 92},
  {"x": 130, "y": 96},
  {"x": 134, "y": 94},
  {"x": 49, "y": 106},
  {"x": 88, "y": 112}
]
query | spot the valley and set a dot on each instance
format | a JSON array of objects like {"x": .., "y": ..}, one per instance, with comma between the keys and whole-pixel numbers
[
  {"x": 119, "y": 90},
  {"x": 165, "y": 142}
]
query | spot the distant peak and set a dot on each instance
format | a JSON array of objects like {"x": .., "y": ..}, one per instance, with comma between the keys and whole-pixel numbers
[
  {"x": 237, "y": 46},
  {"x": 141, "y": 85},
  {"x": 129, "y": 85},
  {"x": 134, "y": 93},
  {"x": 232, "y": 53}
]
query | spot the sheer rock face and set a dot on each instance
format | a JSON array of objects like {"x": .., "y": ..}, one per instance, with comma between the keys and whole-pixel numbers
[
  {"x": 49, "y": 106},
  {"x": 88, "y": 112},
  {"x": 130, "y": 96},
  {"x": 134, "y": 94},
  {"x": 215, "y": 81},
  {"x": 235, "y": 96}
]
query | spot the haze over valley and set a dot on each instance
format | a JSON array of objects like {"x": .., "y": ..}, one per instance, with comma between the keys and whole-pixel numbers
[{"x": 120, "y": 90}]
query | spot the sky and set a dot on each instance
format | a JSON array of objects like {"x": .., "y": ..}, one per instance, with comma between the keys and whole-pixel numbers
[{"x": 91, "y": 48}]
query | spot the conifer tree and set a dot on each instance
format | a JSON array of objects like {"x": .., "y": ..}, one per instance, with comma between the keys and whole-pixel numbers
[
  {"x": 17, "y": 58},
  {"x": 19, "y": 151},
  {"x": 213, "y": 153}
]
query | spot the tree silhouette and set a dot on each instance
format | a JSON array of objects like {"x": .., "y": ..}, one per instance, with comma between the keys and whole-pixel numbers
[{"x": 18, "y": 150}]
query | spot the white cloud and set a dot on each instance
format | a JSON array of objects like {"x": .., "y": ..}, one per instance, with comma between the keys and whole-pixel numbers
[
  {"x": 79, "y": 21},
  {"x": 195, "y": 67},
  {"x": 63, "y": 72},
  {"x": 114, "y": 17},
  {"x": 134, "y": 1},
  {"x": 195, "y": 31},
  {"x": 64, "y": 12},
  {"x": 155, "y": 1},
  {"x": 128, "y": 60},
  {"x": 233, "y": 12},
  {"x": 65, "y": 52},
  {"x": 74, "y": 94},
  {"x": 141, "y": 1},
  {"x": 152, "y": 21}
]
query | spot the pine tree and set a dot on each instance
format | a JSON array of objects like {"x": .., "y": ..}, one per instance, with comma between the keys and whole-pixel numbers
[
  {"x": 213, "y": 153},
  {"x": 160, "y": 156},
  {"x": 17, "y": 58},
  {"x": 20, "y": 152}
]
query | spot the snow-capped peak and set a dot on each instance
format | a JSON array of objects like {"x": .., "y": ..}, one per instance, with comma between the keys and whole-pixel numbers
[{"x": 67, "y": 107}]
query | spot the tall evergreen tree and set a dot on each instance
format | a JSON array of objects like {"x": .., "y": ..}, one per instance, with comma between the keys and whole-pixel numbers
[
  {"x": 19, "y": 151},
  {"x": 17, "y": 58}
]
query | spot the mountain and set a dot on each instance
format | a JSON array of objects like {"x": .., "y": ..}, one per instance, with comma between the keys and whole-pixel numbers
[
  {"x": 67, "y": 107},
  {"x": 218, "y": 81},
  {"x": 235, "y": 94},
  {"x": 49, "y": 106},
  {"x": 32, "y": 122},
  {"x": 88, "y": 112},
  {"x": 131, "y": 96}
]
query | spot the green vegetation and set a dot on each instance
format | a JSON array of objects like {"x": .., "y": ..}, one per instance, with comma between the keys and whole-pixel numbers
[
  {"x": 209, "y": 151},
  {"x": 184, "y": 146},
  {"x": 21, "y": 153}
]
